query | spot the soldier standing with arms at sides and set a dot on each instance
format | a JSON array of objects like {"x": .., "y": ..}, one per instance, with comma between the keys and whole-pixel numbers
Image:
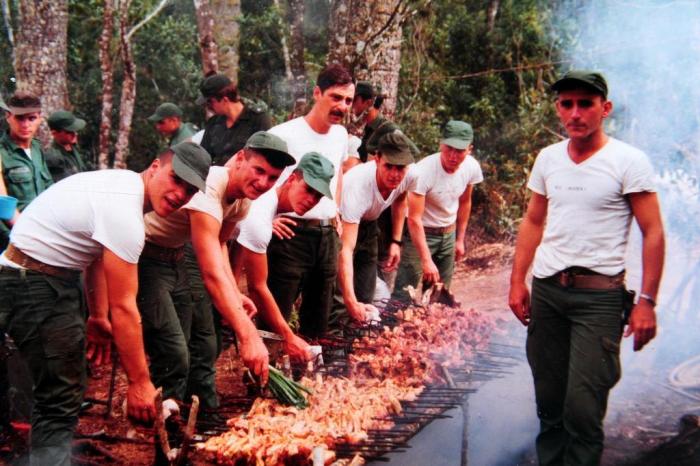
[
  {"x": 168, "y": 122},
  {"x": 585, "y": 192},
  {"x": 63, "y": 157}
]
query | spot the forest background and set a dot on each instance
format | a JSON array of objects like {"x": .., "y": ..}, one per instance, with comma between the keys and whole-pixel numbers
[{"x": 487, "y": 62}]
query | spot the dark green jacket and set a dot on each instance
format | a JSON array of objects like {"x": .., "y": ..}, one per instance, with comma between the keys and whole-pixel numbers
[
  {"x": 25, "y": 179},
  {"x": 222, "y": 142},
  {"x": 62, "y": 163},
  {"x": 184, "y": 132}
]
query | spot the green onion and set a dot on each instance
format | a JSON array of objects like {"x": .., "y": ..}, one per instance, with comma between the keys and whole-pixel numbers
[{"x": 286, "y": 390}]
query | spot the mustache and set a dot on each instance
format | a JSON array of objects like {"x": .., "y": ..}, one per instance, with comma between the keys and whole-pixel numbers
[{"x": 337, "y": 113}]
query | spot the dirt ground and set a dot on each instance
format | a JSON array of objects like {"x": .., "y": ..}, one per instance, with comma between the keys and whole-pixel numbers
[{"x": 635, "y": 425}]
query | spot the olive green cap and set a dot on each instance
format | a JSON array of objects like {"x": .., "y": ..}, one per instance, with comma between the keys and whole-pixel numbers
[
  {"x": 457, "y": 134},
  {"x": 272, "y": 147},
  {"x": 168, "y": 109},
  {"x": 66, "y": 121},
  {"x": 582, "y": 78},
  {"x": 191, "y": 162},
  {"x": 318, "y": 172},
  {"x": 21, "y": 104},
  {"x": 396, "y": 148},
  {"x": 211, "y": 86},
  {"x": 365, "y": 89}
]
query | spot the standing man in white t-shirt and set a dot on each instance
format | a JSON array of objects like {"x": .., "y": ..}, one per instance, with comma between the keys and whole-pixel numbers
[
  {"x": 585, "y": 191},
  {"x": 91, "y": 222},
  {"x": 301, "y": 191},
  {"x": 180, "y": 337},
  {"x": 369, "y": 189},
  {"x": 303, "y": 255},
  {"x": 438, "y": 210}
]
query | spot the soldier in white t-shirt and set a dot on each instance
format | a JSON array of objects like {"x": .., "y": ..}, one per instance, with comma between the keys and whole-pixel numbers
[
  {"x": 438, "y": 211},
  {"x": 368, "y": 190},
  {"x": 585, "y": 191},
  {"x": 300, "y": 192},
  {"x": 303, "y": 254},
  {"x": 91, "y": 222},
  {"x": 180, "y": 338}
]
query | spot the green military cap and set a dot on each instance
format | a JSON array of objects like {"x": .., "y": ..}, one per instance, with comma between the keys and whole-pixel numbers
[
  {"x": 21, "y": 103},
  {"x": 582, "y": 78},
  {"x": 211, "y": 86},
  {"x": 365, "y": 89},
  {"x": 457, "y": 134},
  {"x": 66, "y": 121},
  {"x": 318, "y": 172},
  {"x": 168, "y": 109},
  {"x": 396, "y": 148},
  {"x": 191, "y": 162},
  {"x": 272, "y": 147}
]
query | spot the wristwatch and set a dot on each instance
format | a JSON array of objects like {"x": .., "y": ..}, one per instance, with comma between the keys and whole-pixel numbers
[
  {"x": 648, "y": 298},
  {"x": 397, "y": 241}
]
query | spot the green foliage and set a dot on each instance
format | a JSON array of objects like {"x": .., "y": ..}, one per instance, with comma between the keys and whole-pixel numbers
[{"x": 454, "y": 67}]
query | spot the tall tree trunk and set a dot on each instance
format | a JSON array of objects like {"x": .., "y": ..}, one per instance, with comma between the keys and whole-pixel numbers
[
  {"x": 41, "y": 54},
  {"x": 227, "y": 34},
  {"x": 107, "y": 84},
  {"x": 366, "y": 38},
  {"x": 295, "y": 17},
  {"x": 128, "y": 96},
  {"x": 208, "y": 48},
  {"x": 491, "y": 14}
]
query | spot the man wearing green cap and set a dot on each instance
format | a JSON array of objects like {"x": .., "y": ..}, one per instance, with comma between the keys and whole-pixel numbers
[
  {"x": 368, "y": 190},
  {"x": 301, "y": 191},
  {"x": 168, "y": 122},
  {"x": 235, "y": 119},
  {"x": 585, "y": 191},
  {"x": 63, "y": 157},
  {"x": 91, "y": 222},
  {"x": 438, "y": 210},
  {"x": 24, "y": 168},
  {"x": 179, "y": 335}
]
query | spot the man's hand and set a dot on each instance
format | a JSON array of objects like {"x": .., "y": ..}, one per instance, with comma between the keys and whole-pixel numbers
[
  {"x": 393, "y": 258},
  {"x": 519, "y": 302},
  {"x": 459, "y": 250},
  {"x": 363, "y": 312},
  {"x": 281, "y": 227},
  {"x": 255, "y": 356},
  {"x": 430, "y": 272},
  {"x": 99, "y": 340},
  {"x": 249, "y": 306},
  {"x": 642, "y": 324},
  {"x": 140, "y": 402},
  {"x": 297, "y": 349}
]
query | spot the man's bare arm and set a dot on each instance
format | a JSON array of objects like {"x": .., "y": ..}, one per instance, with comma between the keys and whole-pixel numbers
[
  {"x": 99, "y": 327},
  {"x": 529, "y": 237},
  {"x": 346, "y": 272},
  {"x": 463, "y": 213},
  {"x": 122, "y": 286},
  {"x": 398, "y": 218},
  {"x": 416, "y": 207},
  {"x": 645, "y": 208}
]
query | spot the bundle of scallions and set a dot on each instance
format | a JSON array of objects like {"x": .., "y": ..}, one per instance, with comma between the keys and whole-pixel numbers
[{"x": 286, "y": 390}]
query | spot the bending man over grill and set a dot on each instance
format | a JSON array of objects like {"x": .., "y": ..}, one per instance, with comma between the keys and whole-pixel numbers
[
  {"x": 585, "y": 191},
  {"x": 304, "y": 188},
  {"x": 438, "y": 211},
  {"x": 368, "y": 190},
  {"x": 90, "y": 222},
  {"x": 305, "y": 260},
  {"x": 180, "y": 337}
]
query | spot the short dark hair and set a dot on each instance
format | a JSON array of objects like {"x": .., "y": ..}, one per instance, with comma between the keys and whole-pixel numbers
[
  {"x": 333, "y": 75},
  {"x": 23, "y": 100},
  {"x": 378, "y": 101}
]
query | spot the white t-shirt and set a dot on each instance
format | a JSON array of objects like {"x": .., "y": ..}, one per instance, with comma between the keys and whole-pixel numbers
[
  {"x": 354, "y": 144},
  {"x": 70, "y": 223},
  {"x": 255, "y": 232},
  {"x": 442, "y": 190},
  {"x": 588, "y": 217},
  {"x": 361, "y": 198},
  {"x": 197, "y": 137},
  {"x": 173, "y": 231},
  {"x": 333, "y": 145}
]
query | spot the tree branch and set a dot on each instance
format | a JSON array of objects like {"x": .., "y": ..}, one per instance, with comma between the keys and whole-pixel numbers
[
  {"x": 150, "y": 16},
  {"x": 6, "y": 16}
]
